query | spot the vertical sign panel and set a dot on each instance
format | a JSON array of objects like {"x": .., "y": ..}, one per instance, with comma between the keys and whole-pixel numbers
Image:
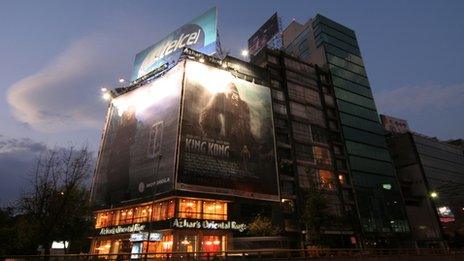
[{"x": 138, "y": 152}]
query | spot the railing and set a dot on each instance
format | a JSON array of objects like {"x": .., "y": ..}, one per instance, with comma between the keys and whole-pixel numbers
[{"x": 263, "y": 254}]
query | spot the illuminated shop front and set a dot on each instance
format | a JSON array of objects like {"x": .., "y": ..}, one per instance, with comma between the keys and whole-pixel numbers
[{"x": 172, "y": 225}]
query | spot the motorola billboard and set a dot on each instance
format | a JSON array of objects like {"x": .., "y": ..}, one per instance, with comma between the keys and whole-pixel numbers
[
  {"x": 138, "y": 151},
  {"x": 199, "y": 34}
]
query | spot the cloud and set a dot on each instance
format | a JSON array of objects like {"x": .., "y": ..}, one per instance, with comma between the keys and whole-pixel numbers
[
  {"x": 432, "y": 109},
  {"x": 17, "y": 157},
  {"x": 65, "y": 94},
  {"x": 13, "y": 145},
  {"x": 418, "y": 99}
]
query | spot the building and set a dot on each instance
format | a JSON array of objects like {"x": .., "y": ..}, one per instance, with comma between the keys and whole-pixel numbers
[
  {"x": 431, "y": 173},
  {"x": 309, "y": 147},
  {"x": 378, "y": 198},
  {"x": 187, "y": 160}
]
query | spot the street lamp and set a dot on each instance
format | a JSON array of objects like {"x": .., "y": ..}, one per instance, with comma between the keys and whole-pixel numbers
[
  {"x": 245, "y": 53},
  {"x": 433, "y": 194}
]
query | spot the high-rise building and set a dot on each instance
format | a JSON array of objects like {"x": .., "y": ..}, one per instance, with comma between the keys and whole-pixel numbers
[
  {"x": 379, "y": 202},
  {"x": 309, "y": 149}
]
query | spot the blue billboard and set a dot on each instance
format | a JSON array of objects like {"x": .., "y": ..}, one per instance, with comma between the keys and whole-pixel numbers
[{"x": 199, "y": 34}]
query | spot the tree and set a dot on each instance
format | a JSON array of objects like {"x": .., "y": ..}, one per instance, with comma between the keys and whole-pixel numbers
[
  {"x": 56, "y": 204},
  {"x": 262, "y": 227},
  {"x": 315, "y": 214}
]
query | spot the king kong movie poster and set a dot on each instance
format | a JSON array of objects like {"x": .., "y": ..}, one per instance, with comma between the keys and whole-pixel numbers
[{"x": 227, "y": 138}]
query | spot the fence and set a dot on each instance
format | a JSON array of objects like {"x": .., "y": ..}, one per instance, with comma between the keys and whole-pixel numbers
[{"x": 264, "y": 254}]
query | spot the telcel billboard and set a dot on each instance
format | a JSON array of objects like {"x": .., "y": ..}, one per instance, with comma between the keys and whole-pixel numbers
[{"x": 199, "y": 34}]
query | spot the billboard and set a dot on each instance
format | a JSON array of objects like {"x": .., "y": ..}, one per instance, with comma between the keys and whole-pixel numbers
[
  {"x": 138, "y": 150},
  {"x": 199, "y": 34},
  {"x": 394, "y": 125},
  {"x": 227, "y": 138},
  {"x": 264, "y": 34}
]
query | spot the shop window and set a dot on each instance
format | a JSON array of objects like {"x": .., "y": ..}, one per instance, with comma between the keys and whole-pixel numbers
[
  {"x": 104, "y": 219},
  {"x": 187, "y": 243},
  {"x": 189, "y": 208},
  {"x": 126, "y": 216},
  {"x": 163, "y": 246},
  {"x": 213, "y": 243},
  {"x": 142, "y": 214},
  {"x": 214, "y": 210}
]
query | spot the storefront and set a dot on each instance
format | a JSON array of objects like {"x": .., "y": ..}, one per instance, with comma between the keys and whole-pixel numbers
[{"x": 172, "y": 225}]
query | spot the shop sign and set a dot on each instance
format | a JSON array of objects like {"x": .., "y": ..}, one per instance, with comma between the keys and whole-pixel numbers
[
  {"x": 209, "y": 224},
  {"x": 154, "y": 236},
  {"x": 122, "y": 229}
]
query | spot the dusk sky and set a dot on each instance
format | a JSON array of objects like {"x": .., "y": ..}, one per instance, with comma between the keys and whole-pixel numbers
[{"x": 56, "y": 55}]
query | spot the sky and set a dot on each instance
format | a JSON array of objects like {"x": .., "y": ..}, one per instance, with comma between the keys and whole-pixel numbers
[{"x": 55, "y": 56}]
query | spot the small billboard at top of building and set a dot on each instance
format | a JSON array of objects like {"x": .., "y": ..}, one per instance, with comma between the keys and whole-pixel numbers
[
  {"x": 199, "y": 34},
  {"x": 264, "y": 34},
  {"x": 394, "y": 125}
]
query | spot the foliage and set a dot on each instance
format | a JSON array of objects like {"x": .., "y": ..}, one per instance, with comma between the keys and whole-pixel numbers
[
  {"x": 55, "y": 206},
  {"x": 262, "y": 227},
  {"x": 315, "y": 214}
]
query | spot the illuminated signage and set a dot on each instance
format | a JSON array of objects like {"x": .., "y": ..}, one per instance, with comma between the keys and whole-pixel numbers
[
  {"x": 122, "y": 229},
  {"x": 209, "y": 224},
  {"x": 154, "y": 236},
  {"x": 199, "y": 34},
  {"x": 445, "y": 214}
]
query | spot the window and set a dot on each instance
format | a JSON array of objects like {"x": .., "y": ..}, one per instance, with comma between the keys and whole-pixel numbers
[
  {"x": 163, "y": 210},
  {"x": 319, "y": 134},
  {"x": 322, "y": 156},
  {"x": 202, "y": 209},
  {"x": 297, "y": 66},
  {"x": 326, "y": 180},
  {"x": 333, "y": 125},
  {"x": 280, "y": 109},
  {"x": 304, "y": 152},
  {"x": 214, "y": 210},
  {"x": 305, "y": 175},
  {"x": 303, "y": 94},
  {"x": 300, "y": 79},
  {"x": 309, "y": 113},
  {"x": 276, "y": 84},
  {"x": 329, "y": 100},
  {"x": 280, "y": 123},
  {"x": 142, "y": 214},
  {"x": 287, "y": 188},
  {"x": 337, "y": 150},
  {"x": 301, "y": 132},
  {"x": 272, "y": 59},
  {"x": 282, "y": 137},
  {"x": 278, "y": 95},
  {"x": 189, "y": 208}
]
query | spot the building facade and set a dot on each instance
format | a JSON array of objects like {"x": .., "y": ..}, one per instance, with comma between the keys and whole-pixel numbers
[
  {"x": 187, "y": 161},
  {"x": 379, "y": 202},
  {"x": 309, "y": 148},
  {"x": 431, "y": 174}
]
